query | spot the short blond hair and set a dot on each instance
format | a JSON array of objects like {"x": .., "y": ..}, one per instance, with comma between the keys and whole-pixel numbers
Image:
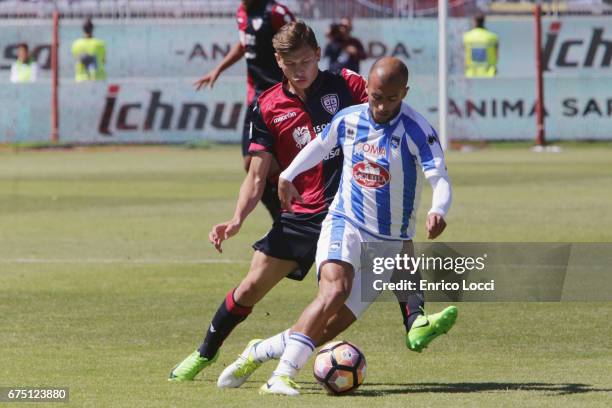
[{"x": 293, "y": 36}]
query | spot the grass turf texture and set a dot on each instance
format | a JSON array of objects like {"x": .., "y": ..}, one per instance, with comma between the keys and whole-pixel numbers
[{"x": 107, "y": 281}]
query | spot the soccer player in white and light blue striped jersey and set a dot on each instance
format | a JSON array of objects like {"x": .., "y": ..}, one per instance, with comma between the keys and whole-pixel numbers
[
  {"x": 388, "y": 149},
  {"x": 383, "y": 170}
]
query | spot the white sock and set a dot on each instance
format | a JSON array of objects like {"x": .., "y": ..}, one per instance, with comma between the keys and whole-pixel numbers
[
  {"x": 272, "y": 347},
  {"x": 298, "y": 351}
]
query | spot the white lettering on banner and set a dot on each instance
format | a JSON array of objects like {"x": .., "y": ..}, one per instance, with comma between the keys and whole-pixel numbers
[{"x": 578, "y": 47}]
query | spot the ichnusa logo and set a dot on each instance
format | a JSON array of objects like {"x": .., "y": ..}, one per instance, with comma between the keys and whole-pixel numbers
[
  {"x": 156, "y": 115},
  {"x": 562, "y": 52}
]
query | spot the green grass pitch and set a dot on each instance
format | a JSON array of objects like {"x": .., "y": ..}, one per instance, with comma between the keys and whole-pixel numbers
[{"x": 107, "y": 281}]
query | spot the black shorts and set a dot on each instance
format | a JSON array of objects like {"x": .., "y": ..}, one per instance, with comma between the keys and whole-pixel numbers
[
  {"x": 246, "y": 129},
  {"x": 293, "y": 237}
]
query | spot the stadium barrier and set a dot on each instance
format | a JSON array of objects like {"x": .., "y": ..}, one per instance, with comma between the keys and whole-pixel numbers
[{"x": 152, "y": 65}]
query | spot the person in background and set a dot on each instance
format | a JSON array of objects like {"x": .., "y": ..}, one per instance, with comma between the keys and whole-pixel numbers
[
  {"x": 343, "y": 50},
  {"x": 258, "y": 21},
  {"x": 334, "y": 50},
  {"x": 24, "y": 69},
  {"x": 354, "y": 47},
  {"x": 481, "y": 50},
  {"x": 90, "y": 55}
]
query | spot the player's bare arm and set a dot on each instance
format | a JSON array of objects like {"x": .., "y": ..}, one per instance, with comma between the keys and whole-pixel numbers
[
  {"x": 250, "y": 193},
  {"x": 230, "y": 59}
]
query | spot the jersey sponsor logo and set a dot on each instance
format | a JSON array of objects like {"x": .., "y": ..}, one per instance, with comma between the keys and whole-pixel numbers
[
  {"x": 330, "y": 103},
  {"x": 333, "y": 153},
  {"x": 250, "y": 40},
  {"x": 320, "y": 128},
  {"x": 301, "y": 135},
  {"x": 370, "y": 174},
  {"x": 284, "y": 117},
  {"x": 257, "y": 22},
  {"x": 367, "y": 149}
]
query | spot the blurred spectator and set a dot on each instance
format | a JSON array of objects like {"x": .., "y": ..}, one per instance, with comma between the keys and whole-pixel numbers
[
  {"x": 481, "y": 50},
  {"x": 24, "y": 69},
  {"x": 343, "y": 50},
  {"x": 334, "y": 50},
  {"x": 353, "y": 46},
  {"x": 90, "y": 55},
  {"x": 308, "y": 9}
]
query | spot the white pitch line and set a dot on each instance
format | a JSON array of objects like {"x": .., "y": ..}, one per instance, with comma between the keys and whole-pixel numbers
[{"x": 122, "y": 261}]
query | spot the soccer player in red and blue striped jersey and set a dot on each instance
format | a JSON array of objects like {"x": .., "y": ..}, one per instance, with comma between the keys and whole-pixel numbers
[{"x": 286, "y": 118}]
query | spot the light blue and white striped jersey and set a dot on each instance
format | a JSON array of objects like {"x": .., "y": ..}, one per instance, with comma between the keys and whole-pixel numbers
[{"x": 383, "y": 168}]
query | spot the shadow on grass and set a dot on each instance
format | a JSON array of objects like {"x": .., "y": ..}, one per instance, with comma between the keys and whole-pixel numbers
[{"x": 381, "y": 389}]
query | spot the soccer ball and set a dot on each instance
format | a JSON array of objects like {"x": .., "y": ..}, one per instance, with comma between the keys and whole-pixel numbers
[{"x": 340, "y": 367}]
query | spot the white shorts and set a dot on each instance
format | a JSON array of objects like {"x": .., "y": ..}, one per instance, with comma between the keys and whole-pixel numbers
[{"x": 341, "y": 241}]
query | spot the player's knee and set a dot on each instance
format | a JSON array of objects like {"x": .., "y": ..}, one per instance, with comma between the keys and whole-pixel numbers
[
  {"x": 336, "y": 293},
  {"x": 248, "y": 292}
]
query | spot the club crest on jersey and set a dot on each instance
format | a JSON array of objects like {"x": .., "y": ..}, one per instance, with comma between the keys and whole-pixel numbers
[
  {"x": 370, "y": 175},
  {"x": 301, "y": 135},
  {"x": 395, "y": 141},
  {"x": 330, "y": 103},
  {"x": 257, "y": 22}
]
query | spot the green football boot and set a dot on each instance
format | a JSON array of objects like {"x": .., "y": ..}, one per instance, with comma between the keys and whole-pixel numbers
[
  {"x": 427, "y": 327},
  {"x": 187, "y": 369},
  {"x": 240, "y": 370},
  {"x": 280, "y": 385}
]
